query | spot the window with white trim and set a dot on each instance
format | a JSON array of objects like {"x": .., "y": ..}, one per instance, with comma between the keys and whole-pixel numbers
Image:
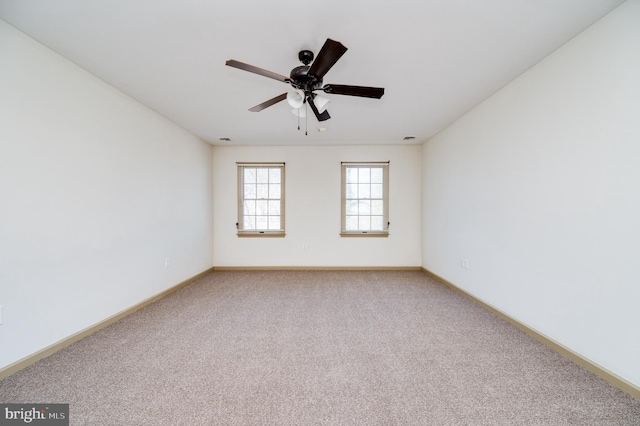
[
  {"x": 260, "y": 200},
  {"x": 365, "y": 199}
]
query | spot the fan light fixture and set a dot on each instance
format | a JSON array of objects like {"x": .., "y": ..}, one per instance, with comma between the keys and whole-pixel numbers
[
  {"x": 321, "y": 103},
  {"x": 295, "y": 98}
]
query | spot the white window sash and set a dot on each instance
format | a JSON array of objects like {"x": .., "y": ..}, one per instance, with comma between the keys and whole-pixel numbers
[
  {"x": 262, "y": 231},
  {"x": 385, "y": 200}
]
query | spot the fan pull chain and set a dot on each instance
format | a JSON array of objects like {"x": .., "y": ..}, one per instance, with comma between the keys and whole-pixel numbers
[{"x": 306, "y": 118}]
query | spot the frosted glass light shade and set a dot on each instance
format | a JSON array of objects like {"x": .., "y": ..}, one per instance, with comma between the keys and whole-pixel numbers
[
  {"x": 295, "y": 98},
  {"x": 321, "y": 103}
]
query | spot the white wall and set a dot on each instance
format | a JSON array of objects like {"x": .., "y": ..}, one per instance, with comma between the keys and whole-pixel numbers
[
  {"x": 96, "y": 191},
  {"x": 313, "y": 208},
  {"x": 539, "y": 188}
]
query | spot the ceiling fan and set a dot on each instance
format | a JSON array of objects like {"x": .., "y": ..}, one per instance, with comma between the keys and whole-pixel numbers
[{"x": 307, "y": 79}]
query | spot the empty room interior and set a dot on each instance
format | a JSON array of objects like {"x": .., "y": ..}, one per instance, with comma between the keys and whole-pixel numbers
[{"x": 487, "y": 152}]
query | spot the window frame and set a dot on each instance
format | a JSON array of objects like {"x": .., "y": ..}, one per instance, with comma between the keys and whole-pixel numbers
[
  {"x": 260, "y": 232},
  {"x": 384, "y": 165}
]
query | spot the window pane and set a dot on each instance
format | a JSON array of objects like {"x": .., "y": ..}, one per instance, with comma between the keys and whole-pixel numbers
[
  {"x": 364, "y": 223},
  {"x": 376, "y": 175},
  {"x": 376, "y": 223},
  {"x": 274, "y": 175},
  {"x": 274, "y": 207},
  {"x": 262, "y": 191},
  {"x": 261, "y": 222},
  {"x": 364, "y": 190},
  {"x": 352, "y": 175},
  {"x": 352, "y": 190},
  {"x": 250, "y": 191},
  {"x": 274, "y": 191},
  {"x": 364, "y": 175},
  {"x": 377, "y": 207},
  {"x": 249, "y": 175},
  {"x": 376, "y": 190},
  {"x": 249, "y": 222},
  {"x": 352, "y": 207},
  {"x": 263, "y": 175},
  {"x": 364, "y": 207},
  {"x": 274, "y": 222},
  {"x": 249, "y": 207},
  {"x": 261, "y": 207},
  {"x": 351, "y": 224}
]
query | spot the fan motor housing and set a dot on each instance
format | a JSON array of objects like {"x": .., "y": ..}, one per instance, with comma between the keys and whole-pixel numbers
[{"x": 303, "y": 80}]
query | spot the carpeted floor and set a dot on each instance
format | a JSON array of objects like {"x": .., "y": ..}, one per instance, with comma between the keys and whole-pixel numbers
[{"x": 318, "y": 348}]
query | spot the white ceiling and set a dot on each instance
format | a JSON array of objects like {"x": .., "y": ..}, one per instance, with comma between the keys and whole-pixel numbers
[{"x": 436, "y": 59}]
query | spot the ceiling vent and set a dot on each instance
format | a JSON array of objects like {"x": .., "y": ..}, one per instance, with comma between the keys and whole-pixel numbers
[
  {"x": 408, "y": 138},
  {"x": 225, "y": 139}
]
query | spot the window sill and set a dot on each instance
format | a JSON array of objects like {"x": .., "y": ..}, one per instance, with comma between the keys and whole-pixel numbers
[
  {"x": 261, "y": 234},
  {"x": 366, "y": 234}
]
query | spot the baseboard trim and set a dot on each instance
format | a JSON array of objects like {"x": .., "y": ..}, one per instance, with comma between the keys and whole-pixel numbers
[
  {"x": 593, "y": 367},
  {"x": 51, "y": 349},
  {"x": 317, "y": 268}
]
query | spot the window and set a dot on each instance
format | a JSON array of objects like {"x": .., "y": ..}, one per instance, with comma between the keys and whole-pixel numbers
[
  {"x": 365, "y": 199},
  {"x": 260, "y": 200}
]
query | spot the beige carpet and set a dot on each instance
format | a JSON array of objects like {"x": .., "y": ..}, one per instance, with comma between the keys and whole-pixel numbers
[{"x": 317, "y": 348}]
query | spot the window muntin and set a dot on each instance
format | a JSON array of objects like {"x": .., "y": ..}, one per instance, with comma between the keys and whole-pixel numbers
[
  {"x": 260, "y": 199},
  {"x": 365, "y": 189}
]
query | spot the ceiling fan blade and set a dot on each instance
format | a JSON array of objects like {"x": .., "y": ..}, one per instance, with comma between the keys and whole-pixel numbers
[
  {"x": 365, "y": 92},
  {"x": 256, "y": 70},
  {"x": 321, "y": 117},
  {"x": 267, "y": 104},
  {"x": 329, "y": 54}
]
